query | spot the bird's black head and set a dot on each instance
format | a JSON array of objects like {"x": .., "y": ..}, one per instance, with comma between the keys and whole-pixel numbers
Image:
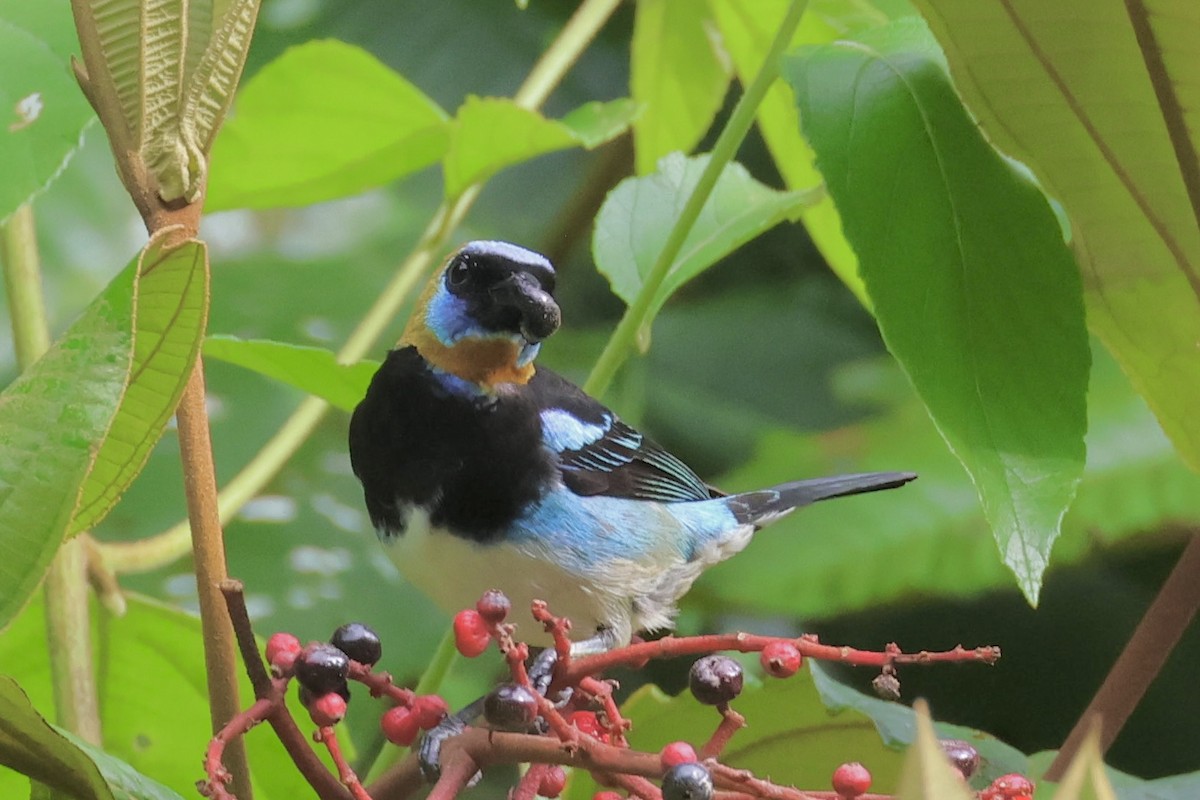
[
  {"x": 504, "y": 289},
  {"x": 485, "y": 313}
]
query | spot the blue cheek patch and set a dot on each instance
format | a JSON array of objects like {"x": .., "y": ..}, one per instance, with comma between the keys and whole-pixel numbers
[
  {"x": 561, "y": 430},
  {"x": 447, "y": 318}
]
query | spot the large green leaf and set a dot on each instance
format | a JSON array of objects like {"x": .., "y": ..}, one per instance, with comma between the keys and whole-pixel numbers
[
  {"x": 974, "y": 290},
  {"x": 930, "y": 538},
  {"x": 150, "y": 641},
  {"x": 310, "y": 369},
  {"x": 42, "y": 113},
  {"x": 491, "y": 133},
  {"x": 679, "y": 73},
  {"x": 324, "y": 120},
  {"x": 637, "y": 216},
  {"x": 1099, "y": 99},
  {"x": 78, "y": 425},
  {"x": 32, "y": 746},
  {"x": 746, "y": 31},
  {"x": 171, "y": 306}
]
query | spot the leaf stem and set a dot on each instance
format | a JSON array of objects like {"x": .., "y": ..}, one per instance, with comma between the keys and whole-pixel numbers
[
  {"x": 637, "y": 314},
  {"x": 68, "y": 626},
  {"x": 208, "y": 548}
]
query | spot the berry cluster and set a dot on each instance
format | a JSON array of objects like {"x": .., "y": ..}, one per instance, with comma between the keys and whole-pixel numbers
[{"x": 553, "y": 710}]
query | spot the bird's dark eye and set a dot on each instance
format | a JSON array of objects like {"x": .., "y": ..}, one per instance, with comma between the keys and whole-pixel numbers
[{"x": 458, "y": 273}]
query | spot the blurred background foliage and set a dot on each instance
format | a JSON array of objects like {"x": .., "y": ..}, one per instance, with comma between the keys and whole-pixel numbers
[{"x": 766, "y": 368}]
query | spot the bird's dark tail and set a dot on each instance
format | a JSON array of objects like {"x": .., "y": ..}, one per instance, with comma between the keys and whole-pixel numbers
[{"x": 760, "y": 507}]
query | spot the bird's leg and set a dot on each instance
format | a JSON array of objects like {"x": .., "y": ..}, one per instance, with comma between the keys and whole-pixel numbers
[
  {"x": 602, "y": 641},
  {"x": 430, "y": 752}
]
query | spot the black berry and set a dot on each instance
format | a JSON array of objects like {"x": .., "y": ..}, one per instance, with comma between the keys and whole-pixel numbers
[
  {"x": 963, "y": 757},
  {"x": 359, "y": 642},
  {"x": 715, "y": 679},
  {"x": 510, "y": 707},
  {"x": 688, "y": 781},
  {"x": 322, "y": 668}
]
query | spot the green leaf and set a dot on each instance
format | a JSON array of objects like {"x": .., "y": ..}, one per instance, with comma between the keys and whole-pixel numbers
[
  {"x": 637, "y": 215},
  {"x": 42, "y": 113},
  {"x": 324, "y": 120},
  {"x": 161, "y": 76},
  {"x": 679, "y": 74},
  {"x": 50, "y": 419},
  {"x": 78, "y": 425},
  {"x": 898, "y": 727},
  {"x": 218, "y": 42},
  {"x": 150, "y": 640},
  {"x": 32, "y": 746},
  {"x": 746, "y": 31},
  {"x": 927, "y": 774},
  {"x": 930, "y": 538},
  {"x": 1099, "y": 139},
  {"x": 310, "y": 369},
  {"x": 596, "y": 123},
  {"x": 769, "y": 743},
  {"x": 974, "y": 290},
  {"x": 170, "y": 309},
  {"x": 491, "y": 133}
]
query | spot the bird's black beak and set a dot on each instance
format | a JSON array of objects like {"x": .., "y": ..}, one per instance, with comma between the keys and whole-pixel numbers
[{"x": 539, "y": 316}]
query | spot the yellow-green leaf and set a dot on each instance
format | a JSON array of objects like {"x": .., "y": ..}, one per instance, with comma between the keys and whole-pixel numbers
[
  {"x": 1100, "y": 102},
  {"x": 171, "y": 306},
  {"x": 679, "y": 74}
]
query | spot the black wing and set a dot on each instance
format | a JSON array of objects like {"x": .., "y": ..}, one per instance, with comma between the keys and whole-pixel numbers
[{"x": 601, "y": 455}]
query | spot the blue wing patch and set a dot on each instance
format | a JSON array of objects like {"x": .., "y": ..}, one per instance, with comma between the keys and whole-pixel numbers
[{"x": 607, "y": 457}]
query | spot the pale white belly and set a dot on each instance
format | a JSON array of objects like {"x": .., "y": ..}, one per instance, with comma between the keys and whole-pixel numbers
[{"x": 454, "y": 572}]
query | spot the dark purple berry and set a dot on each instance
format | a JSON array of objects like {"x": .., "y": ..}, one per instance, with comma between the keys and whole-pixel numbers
[
  {"x": 510, "y": 707},
  {"x": 963, "y": 757},
  {"x": 689, "y": 781},
  {"x": 359, "y": 642},
  {"x": 494, "y": 607},
  {"x": 715, "y": 679},
  {"x": 321, "y": 668}
]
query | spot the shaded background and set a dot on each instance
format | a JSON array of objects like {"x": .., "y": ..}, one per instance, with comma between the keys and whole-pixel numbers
[{"x": 754, "y": 368}]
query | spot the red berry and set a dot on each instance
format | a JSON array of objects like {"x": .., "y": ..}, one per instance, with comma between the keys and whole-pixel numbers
[
  {"x": 606, "y": 796},
  {"x": 851, "y": 779},
  {"x": 587, "y": 722},
  {"x": 676, "y": 753},
  {"x": 328, "y": 709},
  {"x": 780, "y": 659},
  {"x": 493, "y": 606},
  {"x": 430, "y": 710},
  {"x": 553, "y": 781},
  {"x": 1013, "y": 786},
  {"x": 400, "y": 725},
  {"x": 282, "y": 649},
  {"x": 471, "y": 635}
]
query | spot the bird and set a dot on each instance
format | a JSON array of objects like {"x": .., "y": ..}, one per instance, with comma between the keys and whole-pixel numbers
[{"x": 482, "y": 470}]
